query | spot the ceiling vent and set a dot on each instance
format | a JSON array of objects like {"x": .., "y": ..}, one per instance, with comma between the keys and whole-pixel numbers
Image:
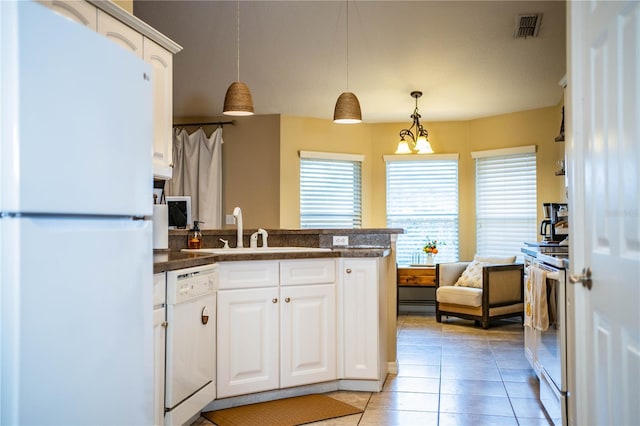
[{"x": 528, "y": 25}]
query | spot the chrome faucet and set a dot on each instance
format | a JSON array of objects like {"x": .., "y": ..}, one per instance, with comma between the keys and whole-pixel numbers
[
  {"x": 237, "y": 214},
  {"x": 253, "y": 241}
]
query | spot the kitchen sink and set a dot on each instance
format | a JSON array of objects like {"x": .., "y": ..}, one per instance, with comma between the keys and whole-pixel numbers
[{"x": 258, "y": 250}]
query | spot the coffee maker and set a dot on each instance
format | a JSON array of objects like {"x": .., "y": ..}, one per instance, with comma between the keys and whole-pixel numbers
[{"x": 555, "y": 225}]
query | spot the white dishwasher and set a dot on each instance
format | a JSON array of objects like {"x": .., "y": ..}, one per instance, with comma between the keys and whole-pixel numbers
[{"x": 191, "y": 336}]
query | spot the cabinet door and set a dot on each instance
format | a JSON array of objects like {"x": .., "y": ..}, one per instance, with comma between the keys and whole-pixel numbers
[
  {"x": 159, "y": 338},
  {"x": 161, "y": 62},
  {"x": 78, "y": 11},
  {"x": 308, "y": 334},
  {"x": 247, "y": 341},
  {"x": 361, "y": 326},
  {"x": 120, "y": 33}
]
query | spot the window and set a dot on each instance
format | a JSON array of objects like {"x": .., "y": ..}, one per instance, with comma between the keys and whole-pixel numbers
[
  {"x": 505, "y": 200},
  {"x": 330, "y": 190},
  {"x": 422, "y": 198}
]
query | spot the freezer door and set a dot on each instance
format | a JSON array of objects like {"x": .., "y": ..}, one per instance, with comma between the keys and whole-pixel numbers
[
  {"x": 77, "y": 321},
  {"x": 76, "y": 119}
]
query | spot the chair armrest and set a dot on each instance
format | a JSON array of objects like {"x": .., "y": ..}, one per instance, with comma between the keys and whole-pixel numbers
[
  {"x": 448, "y": 273},
  {"x": 503, "y": 284}
]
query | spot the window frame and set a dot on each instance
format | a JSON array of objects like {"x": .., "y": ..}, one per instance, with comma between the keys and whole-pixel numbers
[
  {"x": 411, "y": 254},
  {"x": 356, "y": 219},
  {"x": 525, "y": 232}
]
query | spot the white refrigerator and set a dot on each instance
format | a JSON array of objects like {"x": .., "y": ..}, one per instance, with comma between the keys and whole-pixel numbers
[{"x": 75, "y": 232}]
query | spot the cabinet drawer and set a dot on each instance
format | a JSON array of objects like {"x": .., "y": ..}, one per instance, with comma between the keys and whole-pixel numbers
[
  {"x": 417, "y": 277},
  {"x": 159, "y": 289},
  {"x": 248, "y": 274},
  {"x": 300, "y": 272}
]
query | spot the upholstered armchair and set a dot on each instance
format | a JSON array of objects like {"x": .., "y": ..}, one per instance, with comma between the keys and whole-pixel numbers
[{"x": 479, "y": 290}]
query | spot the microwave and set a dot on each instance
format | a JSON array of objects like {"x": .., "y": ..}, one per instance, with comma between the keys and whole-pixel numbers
[{"x": 179, "y": 211}]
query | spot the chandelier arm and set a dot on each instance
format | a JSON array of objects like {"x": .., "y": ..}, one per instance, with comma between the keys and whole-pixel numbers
[{"x": 407, "y": 132}]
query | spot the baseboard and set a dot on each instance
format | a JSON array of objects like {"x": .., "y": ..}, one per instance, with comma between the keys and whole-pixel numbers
[
  {"x": 406, "y": 308},
  {"x": 392, "y": 367}
]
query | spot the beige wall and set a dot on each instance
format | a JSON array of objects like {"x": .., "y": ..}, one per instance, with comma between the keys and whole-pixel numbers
[
  {"x": 536, "y": 127},
  {"x": 125, "y": 4},
  {"x": 261, "y": 161},
  {"x": 310, "y": 134},
  {"x": 250, "y": 167}
]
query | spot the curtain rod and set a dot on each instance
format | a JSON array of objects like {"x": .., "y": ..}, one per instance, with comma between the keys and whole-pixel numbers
[{"x": 208, "y": 123}]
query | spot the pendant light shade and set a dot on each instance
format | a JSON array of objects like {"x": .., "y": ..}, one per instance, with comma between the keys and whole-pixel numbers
[
  {"x": 347, "y": 110},
  {"x": 403, "y": 147},
  {"x": 238, "y": 100}
]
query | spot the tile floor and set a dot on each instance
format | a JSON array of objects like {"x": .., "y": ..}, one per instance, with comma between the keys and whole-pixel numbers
[{"x": 450, "y": 374}]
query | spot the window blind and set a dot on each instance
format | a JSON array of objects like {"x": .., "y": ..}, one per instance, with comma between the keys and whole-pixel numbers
[
  {"x": 422, "y": 198},
  {"x": 505, "y": 203},
  {"x": 330, "y": 193}
]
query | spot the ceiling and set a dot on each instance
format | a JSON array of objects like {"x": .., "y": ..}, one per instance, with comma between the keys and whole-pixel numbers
[{"x": 293, "y": 56}]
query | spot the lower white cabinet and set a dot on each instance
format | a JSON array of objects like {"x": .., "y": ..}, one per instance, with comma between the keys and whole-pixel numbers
[
  {"x": 248, "y": 340},
  {"x": 159, "y": 339},
  {"x": 363, "y": 305},
  {"x": 275, "y": 336},
  {"x": 308, "y": 334}
]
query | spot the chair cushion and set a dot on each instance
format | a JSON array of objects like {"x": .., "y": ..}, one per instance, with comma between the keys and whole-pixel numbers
[
  {"x": 459, "y": 295},
  {"x": 495, "y": 260},
  {"x": 471, "y": 276}
]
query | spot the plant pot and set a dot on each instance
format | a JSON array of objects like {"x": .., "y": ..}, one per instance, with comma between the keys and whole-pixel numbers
[{"x": 430, "y": 259}]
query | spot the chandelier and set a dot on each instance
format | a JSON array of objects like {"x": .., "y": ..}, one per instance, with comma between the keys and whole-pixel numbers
[{"x": 419, "y": 138}]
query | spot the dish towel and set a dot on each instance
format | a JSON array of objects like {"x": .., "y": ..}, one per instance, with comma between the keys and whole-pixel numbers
[
  {"x": 539, "y": 305},
  {"x": 528, "y": 298}
]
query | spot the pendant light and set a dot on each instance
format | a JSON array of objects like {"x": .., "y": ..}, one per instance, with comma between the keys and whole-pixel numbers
[
  {"x": 238, "y": 99},
  {"x": 419, "y": 139},
  {"x": 347, "y": 109}
]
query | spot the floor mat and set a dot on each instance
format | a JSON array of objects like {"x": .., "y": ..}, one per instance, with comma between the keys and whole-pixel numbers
[{"x": 283, "y": 412}]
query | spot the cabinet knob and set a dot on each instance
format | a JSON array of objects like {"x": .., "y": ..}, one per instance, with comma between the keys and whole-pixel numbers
[
  {"x": 348, "y": 270},
  {"x": 274, "y": 300},
  {"x": 287, "y": 299},
  {"x": 165, "y": 324}
]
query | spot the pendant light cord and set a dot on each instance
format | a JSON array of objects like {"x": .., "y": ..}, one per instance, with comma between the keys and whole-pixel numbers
[
  {"x": 238, "y": 41},
  {"x": 347, "y": 45}
]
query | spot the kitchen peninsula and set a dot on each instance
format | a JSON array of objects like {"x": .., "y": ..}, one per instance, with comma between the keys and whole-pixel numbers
[{"x": 334, "y": 308}]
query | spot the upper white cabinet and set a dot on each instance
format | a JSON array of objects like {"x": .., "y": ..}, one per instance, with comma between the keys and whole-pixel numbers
[
  {"x": 145, "y": 42},
  {"x": 120, "y": 33},
  {"x": 78, "y": 11},
  {"x": 161, "y": 61}
]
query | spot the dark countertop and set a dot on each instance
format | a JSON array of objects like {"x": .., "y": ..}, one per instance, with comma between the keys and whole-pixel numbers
[{"x": 171, "y": 260}]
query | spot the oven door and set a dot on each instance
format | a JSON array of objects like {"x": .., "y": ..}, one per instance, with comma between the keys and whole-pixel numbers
[{"x": 552, "y": 348}]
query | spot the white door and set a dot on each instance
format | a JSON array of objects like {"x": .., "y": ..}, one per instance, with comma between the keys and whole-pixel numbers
[
  {"x": 361, "y": 325},
  {"x": 191, "y": 347},
  {"x": 159, "y": 339},
  {"x": 76, "y": 294},
  {"x": 161, "y": 62},
  {"x": 604, "y": 190},
  {"x": 308, "y": 334},
  {"x": 248, "y": 339},
  {"x": 76, "y": 114}
]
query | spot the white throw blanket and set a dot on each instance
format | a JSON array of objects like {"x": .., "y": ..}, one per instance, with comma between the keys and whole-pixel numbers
[{"x": 536, "y": 313}]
